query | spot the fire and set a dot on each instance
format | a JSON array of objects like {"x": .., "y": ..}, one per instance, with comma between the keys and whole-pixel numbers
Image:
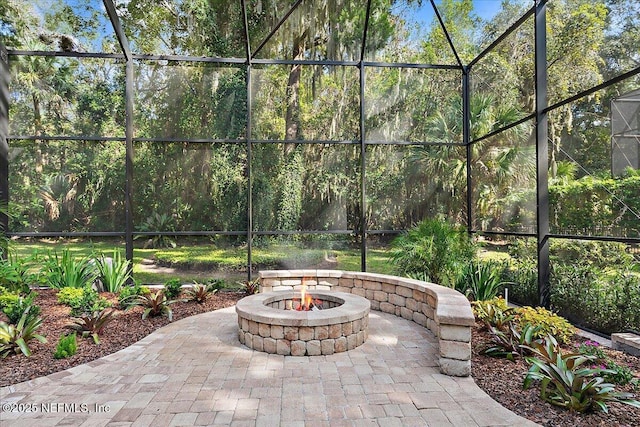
[{"x": 306, "y": 301}]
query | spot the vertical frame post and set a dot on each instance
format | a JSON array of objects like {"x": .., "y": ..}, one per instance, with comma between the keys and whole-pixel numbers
[
  {"x": 363, "y": 181},
  {"x": 542, "y": 154},
  {"x": 249, "y": 177},
  {"x": 128, "y": 201},
  {"x": 4, "y": 147},
  {"x": 466, "y": 139}
]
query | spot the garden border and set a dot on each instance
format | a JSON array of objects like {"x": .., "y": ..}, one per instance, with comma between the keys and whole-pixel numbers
[{"x": 444, "y": 311}]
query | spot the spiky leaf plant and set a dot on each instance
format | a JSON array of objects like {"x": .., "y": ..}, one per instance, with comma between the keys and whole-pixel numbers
[
  {"x": 92, "y": 324},
  {"x": 15, "y": 338}
]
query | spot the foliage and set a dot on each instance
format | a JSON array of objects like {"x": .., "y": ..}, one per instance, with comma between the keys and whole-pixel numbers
[
  {"x": 199, "y": 292},
  {"x": 565, "y": 382},
  {"x": 494, "y": 312},
  {"x": 520, "y": 276},
  {"x": 15, "y": 338},
  {"x": 67, "y": 346},
  {"x": 14, "y": 305},
  {"x": 154, "y": 304},
  {"x": 114, "y": 272},
  {"x": 592, "y": 348},
  {"x": 82, "y": 301},
  {"x": 127, "y": 294},
  {"x": 66, "y": 271},
  {"x": 250, "y": 287},
  {"x": 92, "y": 324},
  {"x": 172, "y": 288},
  {"x": 549, "y": 323},
  {"x": 479, "y": 280},
  {"x": 434, "y": 247},
  {"x": 618, "y": 374},
  {"x": 15, "y": 275},
  {"x": 158, "y": 222},
  {"x": 512, "y": 343}
]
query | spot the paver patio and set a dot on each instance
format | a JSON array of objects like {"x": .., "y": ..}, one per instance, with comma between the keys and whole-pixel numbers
[{"x": 195, "y": 372}]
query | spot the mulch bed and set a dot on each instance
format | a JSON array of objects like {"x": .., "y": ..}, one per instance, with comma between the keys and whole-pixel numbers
[{"x": 501, "y": 379}]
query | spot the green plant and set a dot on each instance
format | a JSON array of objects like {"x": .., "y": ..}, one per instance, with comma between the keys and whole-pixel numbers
[
  {"x": 199, "y": 292},
  {"x": 154, "y": 304},
  {"x": 479, "y": 281},
  {"x": 70, "y": 296},
  {"x": 90, "y": 301},
  {"x": 67, "y": 346},
  {"x": 172, "y": 288},
  {"x": 66, "y": 271},
  {"x": 15, "y": 275},
  {"x": 92, "y": 324},
  {"x": 618, "y": 374},
  {"x": 550, "y": 323},
  {"x": 15, "y": 338},
  {"x": 494, "y": 312},
  {"x": 250, "y": 287},
  {"x": 216, "y": 284},
  {"x": 512, "y": 343},
  {"x": 565, "y": 382},
  {"x": 14, "y": 305},
  {"x": 592, "y": 348},
  {"x": 113, "y": 272},
  {"x": 154, "y": 223},
  {"x": 127, "y": 294},
  {"x": 435, "y": 248}
]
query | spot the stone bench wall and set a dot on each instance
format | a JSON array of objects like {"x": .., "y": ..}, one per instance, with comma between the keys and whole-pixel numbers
[{"x": 444, "y": 311}]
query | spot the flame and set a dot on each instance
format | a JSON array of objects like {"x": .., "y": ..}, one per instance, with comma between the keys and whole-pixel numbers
[{"x": 305, "y": 300}]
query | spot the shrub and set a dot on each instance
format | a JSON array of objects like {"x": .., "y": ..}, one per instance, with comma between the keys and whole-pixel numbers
[
  {"x": 14, "y": 305},
  {"x": 83, "y": 301},
  {"x": 250, "y": 287},
  {"x": 565, "y": 382},
  {"x": 520, "y": 276},
  {"x": 434, "y": 248},
  {"x": 113, "y": 272},
  {"x": 92, "y": 324},
  {"x": 479, "y": 281},
  {"x": 67, "y": 346},
  {"x": 70, "y": 296},
  {"x": 172, "y": 288},
  {"x": 494, "y": 312},
  {"x": 68, "y": 272},
  {"x": 549, "y": 323},
  {"x": 15, "y": 276},
  {"x": 157, "y": 222},
  {"x": 15, "y": 338},
  {"x": 514, "y": 342},
  {"x": 127, "y": 294}
]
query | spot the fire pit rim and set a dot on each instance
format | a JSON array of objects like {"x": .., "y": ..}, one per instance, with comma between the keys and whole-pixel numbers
[{"x": 254, "y": 308}]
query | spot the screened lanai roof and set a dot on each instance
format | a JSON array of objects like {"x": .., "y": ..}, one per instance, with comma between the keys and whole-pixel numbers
[{"x": 330, "y": 30}]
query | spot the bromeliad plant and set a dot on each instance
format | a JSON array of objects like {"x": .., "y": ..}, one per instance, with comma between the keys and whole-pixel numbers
[
  {"x": 92, "y": 324},
  {"x": 154, "y": 304},
  {"x": 15, "y": 338},
  {"x": 199, "y": 292},
  {"x": 513, "y": 343},
  {"x": 565, "y": 381}
]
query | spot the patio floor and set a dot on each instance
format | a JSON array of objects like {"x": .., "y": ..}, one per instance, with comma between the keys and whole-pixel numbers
[{"x": 195, "y": 372}]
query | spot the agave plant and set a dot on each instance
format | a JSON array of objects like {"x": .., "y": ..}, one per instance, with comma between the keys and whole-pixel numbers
[
  {"x": 199, "y": 292},
  {"x": 113, "y": 272},
  {"x": 566, "y": 382},
  {"x": 92, "y": 324},
  {"x": 15, "y": 338},
  {"x": 154, "y": 304}
]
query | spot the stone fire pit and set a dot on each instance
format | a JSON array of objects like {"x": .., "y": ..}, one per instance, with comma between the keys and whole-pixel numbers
[{"x": 270, "y": 323}]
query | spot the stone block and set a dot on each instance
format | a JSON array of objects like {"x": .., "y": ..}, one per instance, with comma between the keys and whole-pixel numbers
[
  {"x": 298, "y": 348},
  {"x": 277, "y": 332},
  {"x": 371, "y": 285},
  {"x": 327, "y": 346},
  {"x": 404, "y": 291},
  {"x": 340, "y": 344},
  {"x": 627, "y": 342},
  {"x": 375, "y": 305},
  {"x": 258, "y": 343},
  {"x": 397, "y": 300},
  {"x": 405, "y": 313},
  {"x": 368, "y": 294},
  {"x": 264, "y": 330},
  {"x": 241, "y": 336},
  {"x": 306, "y": 333},
  {"x": 269, "y": 345},
  {"x": 360, "y": 292},
  {"x": 352, "y": 342},
  {"x": 283, "y": 347},
  {"x": 380, "y": 296},
  {"x": 455, "y": 368},
  {"x": 345, "y": 283},
  {"x": 387, "y": 307},
  {"x": 455, "y": 349},
  {"x": 420, "y": 318},
  {"x": 254, "y": 328},
  {"x": 290, "y": 333},
  {"x": 455, "y": 333},
  {"x": 419, "y": 295},
  {"x": 389, "y": 288},
  {"x": 335, "y": 331},
  {"x": 248, "y": 339},
  {"x": 360, "y": 338},
  {"x": 412, "y": 304},
  {"x": 357, "y": 325},
  {"x": 313, "y": 348},
  {"x": 347, "y": 328},
  {"x": 321, "y": 332}
]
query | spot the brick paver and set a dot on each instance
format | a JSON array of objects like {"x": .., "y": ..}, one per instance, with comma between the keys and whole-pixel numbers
[{"x": 195, "y": 372}]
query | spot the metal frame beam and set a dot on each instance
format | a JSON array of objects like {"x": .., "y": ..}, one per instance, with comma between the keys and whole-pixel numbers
[{"x": 4, "y": 146}]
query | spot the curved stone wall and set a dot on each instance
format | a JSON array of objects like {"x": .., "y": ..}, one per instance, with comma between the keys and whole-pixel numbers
[{"x": 444, "y": 311}]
